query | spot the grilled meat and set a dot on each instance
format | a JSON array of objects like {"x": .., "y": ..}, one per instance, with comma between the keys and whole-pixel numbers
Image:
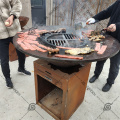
[
  {"x": 60, "y": 30},
  {"x": 96, "y": 37},
  {"x": 69, "y": 57},
  {"x": 51, "y": 50},
  {"x": 78, "y": 51}
]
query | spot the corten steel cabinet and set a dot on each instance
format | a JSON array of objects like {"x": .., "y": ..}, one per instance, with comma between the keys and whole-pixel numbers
[
  {"x": 12, "y": 51},
  {"x": 60, "y": 91}
]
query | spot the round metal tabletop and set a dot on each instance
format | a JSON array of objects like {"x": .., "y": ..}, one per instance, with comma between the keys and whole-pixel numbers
[{"x": 113, "y": 48}]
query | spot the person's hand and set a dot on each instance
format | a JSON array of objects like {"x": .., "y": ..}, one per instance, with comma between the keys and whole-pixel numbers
[
  {"x": 9, "y": 21},
  {"x": 111, "y": 28},
  {"x": 90, "y": 21}
]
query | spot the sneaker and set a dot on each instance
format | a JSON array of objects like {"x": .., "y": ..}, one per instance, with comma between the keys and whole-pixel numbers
[
  {"x": 9, "y": 83},
  {"x": 25, "y": 72},
  {"x": 106, "y": 87},
  {"x": 93, "y": 79}
]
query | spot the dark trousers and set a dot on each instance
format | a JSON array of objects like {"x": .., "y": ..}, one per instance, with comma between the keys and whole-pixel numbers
[
  {"x": 114, "y": 68},
  {"x": 4, "y": 56}
]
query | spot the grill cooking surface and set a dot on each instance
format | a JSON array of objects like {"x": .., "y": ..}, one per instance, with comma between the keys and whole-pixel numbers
[{"x": 69, "y": 39}]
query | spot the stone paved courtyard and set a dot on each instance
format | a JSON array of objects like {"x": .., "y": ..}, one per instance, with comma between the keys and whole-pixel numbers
[{"x": 19, "y": 103}]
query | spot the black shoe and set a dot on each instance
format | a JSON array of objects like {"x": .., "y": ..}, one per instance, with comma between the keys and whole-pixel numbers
[
  {"x": 9, "y": 83},
  {"x": 106, "y": 87},
  {"x": 93, "y": 78},
  {"x": 25, "y": 72}
]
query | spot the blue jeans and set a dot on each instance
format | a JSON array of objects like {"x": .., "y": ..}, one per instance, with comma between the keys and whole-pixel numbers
[
  {"x": 4, "y": 56},
  {"x": 114, "y": 68}
]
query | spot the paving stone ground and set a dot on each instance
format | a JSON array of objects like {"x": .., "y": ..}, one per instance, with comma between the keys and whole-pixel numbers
[{"x": 19, "y": 103}]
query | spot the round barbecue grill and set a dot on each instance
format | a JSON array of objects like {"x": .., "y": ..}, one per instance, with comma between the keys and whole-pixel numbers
[{"x": 69, "y": 39}]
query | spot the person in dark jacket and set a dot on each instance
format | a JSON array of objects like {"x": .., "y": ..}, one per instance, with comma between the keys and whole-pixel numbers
[{"x": 113, "y": 29}]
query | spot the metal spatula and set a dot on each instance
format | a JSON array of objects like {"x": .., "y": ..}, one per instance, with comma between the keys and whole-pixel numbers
[{"x": 80, "y": 25}]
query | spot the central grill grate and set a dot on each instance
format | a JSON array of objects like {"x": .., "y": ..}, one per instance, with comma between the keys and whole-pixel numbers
[
  {"x": 65, "y": 40},
  {"x": 57, "y": 42}
]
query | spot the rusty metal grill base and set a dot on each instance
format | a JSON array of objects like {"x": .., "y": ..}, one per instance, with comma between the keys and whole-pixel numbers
[{"x": 57, "y": 94}]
